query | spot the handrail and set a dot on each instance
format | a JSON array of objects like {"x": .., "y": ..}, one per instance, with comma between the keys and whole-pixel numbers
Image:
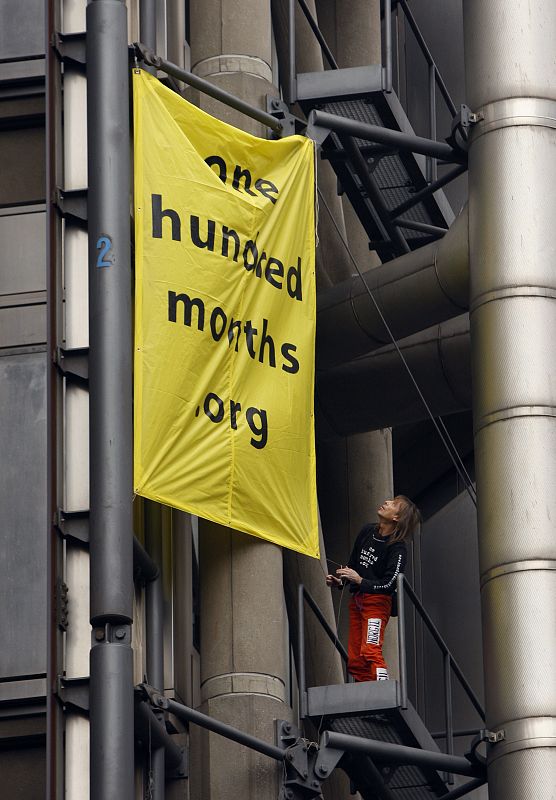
[
  {"x": 428, "y": 56},
  {"x": 450, "y": 665},
  {"x": 304, "y": 595},
  {"x": 435, "y": 79},
  {"x": 441, "y": 643}
]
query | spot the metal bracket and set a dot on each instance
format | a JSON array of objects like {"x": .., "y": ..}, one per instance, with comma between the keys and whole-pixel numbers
[
  {"x": 73, "y": 525},
  {"x": 154, "y": 697},
  {"x": 290, "y": 123},
  {"x": 70, "y": 48},
  {"x": 73, "y": 692},
  {"x": 484, "y": 736},
  {"x": 302, "y": 778},
  {"x": 327, "y": 760},
  {"x": 461, "y": 125},
  {"x": 316, "y": 132},
  {"x": 74, "y": 364},
  {"x": 62, "y": 618},
  {"x": 493, "y": 737},
  {"x": 72, "y": 204}
]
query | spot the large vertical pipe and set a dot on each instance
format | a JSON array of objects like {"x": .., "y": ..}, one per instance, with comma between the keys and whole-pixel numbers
[
  {"x": 511, "y": 85},
  {"x": 111, "y": 544}
]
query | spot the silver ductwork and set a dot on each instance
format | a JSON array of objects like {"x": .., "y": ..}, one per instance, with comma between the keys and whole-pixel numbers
[
  {"x": 429, "y": 285},
  {"x": 511, "y": 84},
  {"x": 375, "y": 391}
]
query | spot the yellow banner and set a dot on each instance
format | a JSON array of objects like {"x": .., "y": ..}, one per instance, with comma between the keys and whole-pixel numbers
[{"x": 224, "y": 320}]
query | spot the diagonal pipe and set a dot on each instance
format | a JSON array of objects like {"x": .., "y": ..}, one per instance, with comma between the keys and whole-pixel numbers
[
  {"x": 347, "y": 398},
  {"x": 425, "y": 287}
]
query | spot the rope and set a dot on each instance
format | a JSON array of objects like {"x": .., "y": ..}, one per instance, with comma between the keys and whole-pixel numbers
[{"x": 439, "y": 426}]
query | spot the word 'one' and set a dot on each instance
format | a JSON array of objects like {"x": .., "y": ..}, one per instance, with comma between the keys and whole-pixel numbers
[{"x": 242, "y": 179}]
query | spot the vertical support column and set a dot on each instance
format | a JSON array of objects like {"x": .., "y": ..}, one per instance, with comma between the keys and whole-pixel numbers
[
  {"x": 111, "y": 542},
  {"x": 511, "y": 84},
  {"x": 243, "y": 642}
]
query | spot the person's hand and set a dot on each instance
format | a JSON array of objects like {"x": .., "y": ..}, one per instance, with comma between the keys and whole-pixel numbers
[
  {"x": 349, "y": 574},
  {"x": 332, "y": 580}
]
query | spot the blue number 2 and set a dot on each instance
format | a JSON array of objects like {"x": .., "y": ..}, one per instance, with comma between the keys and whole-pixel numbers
[{"x": 104, "y": 244}]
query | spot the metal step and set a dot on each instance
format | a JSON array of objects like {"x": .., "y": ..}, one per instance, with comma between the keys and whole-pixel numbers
[
  {"x": 377, "y": 179},
  {"x": 372, "y": 710}
]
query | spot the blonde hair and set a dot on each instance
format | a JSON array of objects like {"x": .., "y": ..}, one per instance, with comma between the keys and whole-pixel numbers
[{"x": 409, "y": 517}]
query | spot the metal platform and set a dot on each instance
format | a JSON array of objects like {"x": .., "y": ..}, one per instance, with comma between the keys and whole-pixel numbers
[
  {"x": 373, "y": 711},
  {"x": 379, "y": 180}
]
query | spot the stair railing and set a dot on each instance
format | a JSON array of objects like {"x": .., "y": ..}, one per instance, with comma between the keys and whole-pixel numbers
[
  {"x": 435, "y": 79},
  {"x": 404, "y": 589},
  {"x": 304, "y": 596}
]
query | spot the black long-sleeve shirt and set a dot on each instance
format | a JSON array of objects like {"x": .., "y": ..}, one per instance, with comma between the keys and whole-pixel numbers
[{"x": 377, "y": 562}]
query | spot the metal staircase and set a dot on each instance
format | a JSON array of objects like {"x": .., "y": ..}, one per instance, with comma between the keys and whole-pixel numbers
[
  {"x": 388, "y": 173},
  {"x": 379, "y": 739}
]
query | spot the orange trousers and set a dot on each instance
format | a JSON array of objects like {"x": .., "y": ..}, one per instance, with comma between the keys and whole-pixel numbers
[{"x": 368, "y": 617}]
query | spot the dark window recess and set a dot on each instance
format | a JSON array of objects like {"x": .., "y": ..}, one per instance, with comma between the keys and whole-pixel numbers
[{"x": 22, "y": 166}]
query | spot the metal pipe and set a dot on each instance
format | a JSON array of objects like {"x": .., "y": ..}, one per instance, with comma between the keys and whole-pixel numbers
[
  {"x": 448, "y": 710},
  {"x": 423, "y": 227},
  {"x": 347, "y": 401},
  {"x": 302, "y": 678},
  {"x": 463, "y": 732},
  {"x": 149, "y": 728},
  {"x": 320, "y": 38},
  {"x": 327, "y": 629},
  {"x": 348, "y": 322},
  {"x": 374, "y": 133},
  {"x": 111, "y": 487},
  {"x": 111, "y": 715},
  {"x": 461, "y": 791},
  {"x": 402, "y": 647},
  {"x": 512, "y": 173},
  {"x": 292, "y": 75},
  {"x": 400, "y": 754},
  {"x": 416, "y": 198},
  {"x": 154, "y": 600},
  {"x": 147, "y": 23},
  {"x": 144, "y": 567},
  {"x": 212, "y": 724},
  {"x": 375, "y": 195},
  {"x": 428, "y": 55},
  {"x": 208, "y": 88},
  {"x": 431, "y": 163},
  {"x": 154, "y": 629},
  {"x": 387, "y": 45}
]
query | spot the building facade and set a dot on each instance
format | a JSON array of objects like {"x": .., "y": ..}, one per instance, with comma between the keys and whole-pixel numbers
[{"x": 214, "y": 623}]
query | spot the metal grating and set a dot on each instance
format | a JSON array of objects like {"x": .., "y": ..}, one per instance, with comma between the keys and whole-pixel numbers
[
  {"x": 405, "y": 782},
  {"x": 390, "y": 173}
]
